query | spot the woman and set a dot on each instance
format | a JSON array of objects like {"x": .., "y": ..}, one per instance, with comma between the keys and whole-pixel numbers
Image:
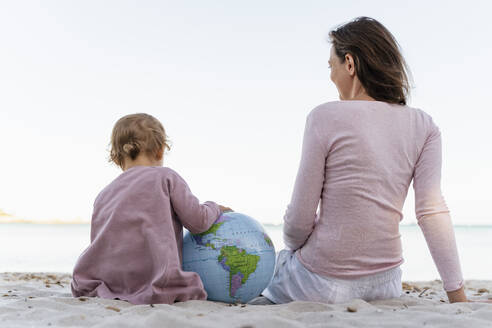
[{"x": 359, "y": 157}]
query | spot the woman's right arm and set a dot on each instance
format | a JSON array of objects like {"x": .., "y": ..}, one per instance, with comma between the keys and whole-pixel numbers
[
  {"x": 300, "y": 216},
  {"x": 433, "y": 216}
]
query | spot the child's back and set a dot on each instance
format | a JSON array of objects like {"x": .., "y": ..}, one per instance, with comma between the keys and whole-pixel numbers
[{"x": 137, "y": 236}]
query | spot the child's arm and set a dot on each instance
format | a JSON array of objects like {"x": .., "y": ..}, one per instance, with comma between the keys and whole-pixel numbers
[
  {"x": 433, "y": 216},
  {"x": 195, "y": 217},
  {"x": 301, "y": 213}
]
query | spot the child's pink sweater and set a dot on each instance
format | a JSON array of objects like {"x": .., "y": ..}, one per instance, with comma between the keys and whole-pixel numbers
[
  {"x": 137, "y": 237},
  {"x": 358, "y": 159}
]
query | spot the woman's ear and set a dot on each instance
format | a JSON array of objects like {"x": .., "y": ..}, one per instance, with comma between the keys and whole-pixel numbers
[{"x": 349, "y": 64}]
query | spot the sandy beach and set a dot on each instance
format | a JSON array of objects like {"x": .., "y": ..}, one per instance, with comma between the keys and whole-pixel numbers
[{"x": 44, "y": 299}]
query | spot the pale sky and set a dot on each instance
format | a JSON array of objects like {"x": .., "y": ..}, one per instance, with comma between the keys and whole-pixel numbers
[{"x": 232, "y": 83}]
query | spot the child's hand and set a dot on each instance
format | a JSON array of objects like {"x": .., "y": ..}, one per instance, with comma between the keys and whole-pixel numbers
[{"x": 225, "y": 209}]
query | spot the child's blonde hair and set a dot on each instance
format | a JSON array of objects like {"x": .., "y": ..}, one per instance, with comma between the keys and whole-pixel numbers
[{"x": 134, "y": 134}]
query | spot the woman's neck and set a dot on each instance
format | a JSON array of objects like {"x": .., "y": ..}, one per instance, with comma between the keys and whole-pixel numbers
[
  {"x": 357, "y": 92},
  {"x": 362, "y": 97}
]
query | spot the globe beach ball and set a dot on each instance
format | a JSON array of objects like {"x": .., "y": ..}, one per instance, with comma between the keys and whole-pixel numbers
[{"x": 235, "y": 258}]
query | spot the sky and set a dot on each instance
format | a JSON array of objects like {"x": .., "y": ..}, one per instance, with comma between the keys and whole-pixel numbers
[{"x": 232, "y": 83}]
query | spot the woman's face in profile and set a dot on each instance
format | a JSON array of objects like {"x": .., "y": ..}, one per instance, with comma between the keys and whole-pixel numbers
[{"x": 339, "y": 75}]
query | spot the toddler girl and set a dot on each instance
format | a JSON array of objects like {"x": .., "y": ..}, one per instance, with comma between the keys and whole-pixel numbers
[{"x": 135, "y": 252}]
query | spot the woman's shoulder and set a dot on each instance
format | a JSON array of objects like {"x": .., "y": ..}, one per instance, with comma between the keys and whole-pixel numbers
[
  {"x": 354, "y": 105},
  {"x": 338, "y": 111},
  {"x": 348, "y": 108},
  {"x": 341, "y": 108},
  {"x": 327, "y": 107},
  {"x": 422, "y": 118}
]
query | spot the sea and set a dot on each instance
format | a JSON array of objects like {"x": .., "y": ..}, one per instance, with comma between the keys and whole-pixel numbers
[{"x": 26, "y": 247}]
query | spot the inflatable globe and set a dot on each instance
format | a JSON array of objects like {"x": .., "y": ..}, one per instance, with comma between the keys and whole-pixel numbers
[{"x": 235, "y": 258}]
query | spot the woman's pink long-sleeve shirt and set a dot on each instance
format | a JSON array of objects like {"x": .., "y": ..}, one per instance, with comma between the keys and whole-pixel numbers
[
  {"x": 358, "y": 160},
  {"x": 135, "y": 252}
]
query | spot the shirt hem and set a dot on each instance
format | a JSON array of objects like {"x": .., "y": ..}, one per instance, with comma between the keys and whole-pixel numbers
[{"x": 351, "y": 276}]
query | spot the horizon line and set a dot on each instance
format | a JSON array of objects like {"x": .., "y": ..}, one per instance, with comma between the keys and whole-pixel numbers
[{"x": 83, "y": 222}]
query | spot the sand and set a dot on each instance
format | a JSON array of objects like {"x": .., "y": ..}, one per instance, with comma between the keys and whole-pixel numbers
[{"x": 44, "y": 300}]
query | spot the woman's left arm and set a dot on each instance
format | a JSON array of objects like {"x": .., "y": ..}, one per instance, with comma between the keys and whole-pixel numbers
[
  {"x": 300, "y": 216},
  {"x": 433, "y": 215}
]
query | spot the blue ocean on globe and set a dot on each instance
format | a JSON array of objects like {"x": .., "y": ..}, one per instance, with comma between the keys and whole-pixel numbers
[{"x": 235, "y": 258}]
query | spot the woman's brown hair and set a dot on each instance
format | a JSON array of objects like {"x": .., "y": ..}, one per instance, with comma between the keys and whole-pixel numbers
[
  {"x": 134, "y": 134},
  {"x": 379, "y": 64}
]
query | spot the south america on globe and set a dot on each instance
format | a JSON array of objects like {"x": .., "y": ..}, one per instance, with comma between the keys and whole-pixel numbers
[{"x": 235, "y": 258}]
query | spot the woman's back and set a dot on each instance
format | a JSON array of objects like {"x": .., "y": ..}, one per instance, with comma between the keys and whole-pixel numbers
[{"x": 360, "y": 156}]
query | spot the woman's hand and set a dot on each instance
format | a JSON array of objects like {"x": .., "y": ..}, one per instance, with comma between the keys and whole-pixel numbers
[
  {"x": 225, "y": 209},
  {"x": 457, "y": 296}
]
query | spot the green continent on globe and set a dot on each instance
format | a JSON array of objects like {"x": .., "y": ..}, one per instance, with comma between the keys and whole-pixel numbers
[
  {"x": 239, "y": 264},
  {"x": 213, "y": 229},
  {"x": 212, "y": 246},
  {"x": 199, "y": 238},
  {"x": 268, "y": 240}
]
